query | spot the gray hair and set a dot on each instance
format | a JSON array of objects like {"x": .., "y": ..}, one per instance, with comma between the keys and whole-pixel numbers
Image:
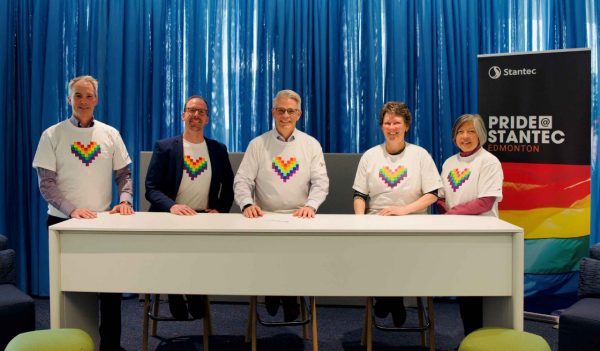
[
  {"x": 288, "y": 94},
  {"x": 477, "y": 123},
  {"x": 88, "y": 79}
]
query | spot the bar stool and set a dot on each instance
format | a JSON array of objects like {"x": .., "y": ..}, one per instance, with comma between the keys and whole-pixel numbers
[
  {"x": 308, "y": 313},
  {"x": 426, "y": 323},
  {"x": 156, "y": 317}
]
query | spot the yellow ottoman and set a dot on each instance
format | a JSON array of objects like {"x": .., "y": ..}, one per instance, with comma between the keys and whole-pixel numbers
[
  {"x": 502, "y": 339},
  {"x": 52, "y": 340}
]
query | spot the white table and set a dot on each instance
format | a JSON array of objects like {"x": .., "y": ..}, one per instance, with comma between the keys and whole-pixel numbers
[{"x": 330, "y": 255}]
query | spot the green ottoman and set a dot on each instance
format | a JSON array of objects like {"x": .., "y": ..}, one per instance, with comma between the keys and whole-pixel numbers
[
  {"x": 502, "y": 339},
  {"x": 52, "y": 340}
]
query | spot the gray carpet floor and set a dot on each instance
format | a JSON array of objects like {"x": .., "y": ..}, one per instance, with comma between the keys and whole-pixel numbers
[{"x": 339, "y": 328}]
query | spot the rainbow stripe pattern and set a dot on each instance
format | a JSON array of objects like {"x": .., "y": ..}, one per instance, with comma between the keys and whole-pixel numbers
[
  {"x": 457, "y": 178},
  {"x": 552, "y": 203},
  {"x": 392, "y": 178},
  {"x": 285, "y": 169},
  {"x": 194, "y": 167},
  {"x": 86, "y": 153}
]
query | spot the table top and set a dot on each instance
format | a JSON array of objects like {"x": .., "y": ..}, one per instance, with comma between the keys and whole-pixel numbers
[{"x": 235, "y": 223}]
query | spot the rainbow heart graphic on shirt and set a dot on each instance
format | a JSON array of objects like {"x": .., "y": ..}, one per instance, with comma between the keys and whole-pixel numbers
[
  {"x": 285, "y": 169},
  {"x": 87, "y": 154},
  {"x": 392, "y": 178},
  {"x": 194, "y": 167},
  {"x": 457, "y": 178}
]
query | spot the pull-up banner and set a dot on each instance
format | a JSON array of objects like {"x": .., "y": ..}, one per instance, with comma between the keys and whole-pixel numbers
[{"x": 538, "y": 110}]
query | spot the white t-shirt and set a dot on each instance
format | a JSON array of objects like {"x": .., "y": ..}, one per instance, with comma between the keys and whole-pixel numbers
[
  {"x": 472, "y": 177},
  {"x": 395, "y": 180},
  {"x": 84, "y": 160},
  {"x": 282, "y": 171},
  {"x": 197, "y": 172}
]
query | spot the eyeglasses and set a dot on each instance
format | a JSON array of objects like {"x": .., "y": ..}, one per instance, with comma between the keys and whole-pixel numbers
[
  {"x": 200, "y": 111},
  {"x": 290, "y": 111}
]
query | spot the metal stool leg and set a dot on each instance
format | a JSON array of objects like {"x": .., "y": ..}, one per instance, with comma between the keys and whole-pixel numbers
[
  {"x": 305, "y": 326},
  {"x": 367, "y": 337},
  {"x": 208, "y": 317},
  {"x": 421, "y": 315},
  {"x": 431, "y": 313},
  {"x": 207, "y": 325},
  {"x": 363, "y": 336},
  {"x": 253, "y": 321},
  {"x": 315, "y": 335},
  {"x": 155, "y": 307},
  {"x": 249, "y": 322}
]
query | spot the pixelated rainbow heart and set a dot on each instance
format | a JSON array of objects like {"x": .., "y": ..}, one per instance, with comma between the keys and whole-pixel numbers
[
  {"x": 285, "y": 169},
  {"x": 87, "y": 154},
  {"x": 457, "y": 178},
  {"x": 392, "y": 178},
  {"x": 194, "y": 167}
]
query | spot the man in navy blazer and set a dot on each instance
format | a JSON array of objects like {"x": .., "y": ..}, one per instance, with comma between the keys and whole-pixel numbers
[{"x": 189, "y": 174}]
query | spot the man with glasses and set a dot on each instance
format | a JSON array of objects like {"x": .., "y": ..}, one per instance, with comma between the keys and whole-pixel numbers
[
  {"x": 190, "y": 174},
  {"x": 283, "y": 170},
  {"x": 75, "y": 162}
]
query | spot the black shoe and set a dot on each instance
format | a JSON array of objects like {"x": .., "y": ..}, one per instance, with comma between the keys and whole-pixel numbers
[
  {"x": 291, "y": 308},
  {"x": 382, "y": 307},
  {"x": 272, "y": 304},
  {"x": 196, "y": 305},
  {"x": 398, "y": 311},
  {"x": 177, "y": 307}
]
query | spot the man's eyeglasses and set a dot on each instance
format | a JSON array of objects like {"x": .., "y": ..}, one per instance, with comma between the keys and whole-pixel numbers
[
  {"x": 290, "y": 111},
  {"x": 200, "y": 111}
]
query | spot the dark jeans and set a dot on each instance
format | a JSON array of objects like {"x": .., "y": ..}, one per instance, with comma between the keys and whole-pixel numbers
[
  {"x": 110, "y": 311},
  {"x": 471, "y": 312},
  {"x": 194, "y": 304}
]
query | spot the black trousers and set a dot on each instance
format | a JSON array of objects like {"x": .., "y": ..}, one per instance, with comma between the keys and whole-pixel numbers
[
  {"x": 110, "y": 311},
  {"x": 471, "y": 312}
]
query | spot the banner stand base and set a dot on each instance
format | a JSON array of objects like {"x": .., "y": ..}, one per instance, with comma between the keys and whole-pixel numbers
[{"x": 540, "y": 317}]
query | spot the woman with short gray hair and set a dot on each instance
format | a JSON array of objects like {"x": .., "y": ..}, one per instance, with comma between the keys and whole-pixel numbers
[{"x": 472, "y": 182}]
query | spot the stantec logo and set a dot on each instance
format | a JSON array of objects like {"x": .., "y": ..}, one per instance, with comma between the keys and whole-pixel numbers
[{"x": 496, "y": 72}]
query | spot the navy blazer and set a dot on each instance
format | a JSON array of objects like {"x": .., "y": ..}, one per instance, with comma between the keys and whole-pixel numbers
[{"x": 166, "y": 170}]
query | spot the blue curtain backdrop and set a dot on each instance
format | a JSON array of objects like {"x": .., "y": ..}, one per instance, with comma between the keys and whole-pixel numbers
[{"x": 345, "y": 57}]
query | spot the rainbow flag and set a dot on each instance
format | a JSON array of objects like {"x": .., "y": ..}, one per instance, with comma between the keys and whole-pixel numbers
[{"x": 552, "y": 203}]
